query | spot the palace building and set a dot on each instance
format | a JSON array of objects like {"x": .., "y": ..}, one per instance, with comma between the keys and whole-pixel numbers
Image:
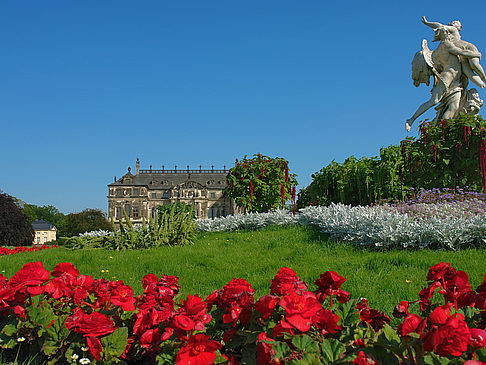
[{"x": 142, "y": 193}]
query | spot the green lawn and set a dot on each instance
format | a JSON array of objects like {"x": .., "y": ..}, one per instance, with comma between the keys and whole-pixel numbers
[{"x": 384, "y": 277}]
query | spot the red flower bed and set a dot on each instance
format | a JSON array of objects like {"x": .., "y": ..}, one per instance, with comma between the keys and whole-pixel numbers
[
  {"x": 69, "y": 316},
  {"x": 12, "y": 251}
]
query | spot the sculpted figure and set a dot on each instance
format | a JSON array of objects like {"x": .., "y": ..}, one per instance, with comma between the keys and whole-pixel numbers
[
  {"x": 468, "y": 65},
  {"x": 447, "y": 66}
]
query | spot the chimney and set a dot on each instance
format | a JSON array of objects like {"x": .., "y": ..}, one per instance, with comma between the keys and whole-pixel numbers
[{"x": 137, "y": 166}]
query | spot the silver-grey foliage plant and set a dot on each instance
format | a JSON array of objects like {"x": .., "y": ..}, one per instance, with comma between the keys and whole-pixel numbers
[{"x": 379, "y": 226}]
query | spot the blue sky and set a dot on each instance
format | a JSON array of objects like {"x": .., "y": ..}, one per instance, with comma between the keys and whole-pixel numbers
[{"x": 87, "y": 87}]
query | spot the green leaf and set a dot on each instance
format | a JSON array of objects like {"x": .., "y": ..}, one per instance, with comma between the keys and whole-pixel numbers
[
  {"x": 433, "y": 359},
  {"x": 115, "y": 343},
  {"x": 58, "y": 331},
  {"x": 307, "y": 359},
  {"x": 220, "y": 359},
  {"x": 390, "y": 334},
  {"x": 305, "y": 343},
  {"x": 50, "y": 347},
  {"x": 281, "y": 349},
  {"x": 9, "y": 330},
  {"x": 332, "y": 349}
]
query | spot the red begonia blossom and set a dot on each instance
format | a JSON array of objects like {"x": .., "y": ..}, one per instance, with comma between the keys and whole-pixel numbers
[
  {"x": 451, "y": 338},
  {"x": 300, "y": 309},
  {"x": 266, "y": 304},
  {"x": 327, "y": 321},
  {"x": 199, "y": 350},
  {"x": 286, "y": 280},
  {"x": 265, "y": 352},
  {"x": 412, "y": 323}
]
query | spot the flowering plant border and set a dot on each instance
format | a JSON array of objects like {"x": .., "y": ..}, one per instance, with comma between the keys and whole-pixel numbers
[{"x": 65, "y": 315}]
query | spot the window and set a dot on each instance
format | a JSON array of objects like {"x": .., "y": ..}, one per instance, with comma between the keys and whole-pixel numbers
[
  {"x": 136, "y": 191},
  {"x": 165, "y": 195},
  {"x": 203, "y": 193},
  {"x": 119, "y": 192},
  {"x": 212, "y": 195},
  {"x": 136, "y": 212},
  {"x": 127, "y": 181},
  {"x": 153, "y": 195},
  {"x": 154, "y": 213},
  {"x": 45, "y": 239},
  {"x": 118, "y": 212}
]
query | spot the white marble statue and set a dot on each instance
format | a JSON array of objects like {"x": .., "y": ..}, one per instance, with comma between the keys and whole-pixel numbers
[{"x": 451, "y": 64}]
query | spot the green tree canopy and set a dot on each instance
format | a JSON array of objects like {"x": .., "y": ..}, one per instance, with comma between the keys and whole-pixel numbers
[
  {"x": 15, "y": 228},
  {"x": 261, "y": 183},
  {"x": 48, "y": 213},
  {"x": 85, "y": 221}
]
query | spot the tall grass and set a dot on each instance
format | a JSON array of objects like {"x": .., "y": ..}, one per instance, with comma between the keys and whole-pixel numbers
[{"x": 384, "y": 277}]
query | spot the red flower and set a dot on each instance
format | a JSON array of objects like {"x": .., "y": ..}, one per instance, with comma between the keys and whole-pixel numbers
[
  {"x": 300, "y": 309},
  {"x": 449, "y": 339},
  {"x": 401, "y": 310},
  {"x": 65, "y": 268},
  {"x": 95, "y": 324},
  {"x": 236, "y": 298},
  {"x": 94, "y": 345},
  {"x": 363, "y": 359},
  {"x": 194, "y": 309},
  {"x": 440, "y": 271},
  {"x": 374, "y": 317},
  {"x": 283, "y": 327},
  {"x": 266, "y": 304},
  {"x": 330, "y": 284},
  {"x": 327, "y": 321},
  {"x": 122, "y": 296},
  {"x": 478, "y": 338},
  {"x": 31, "y": 277},
  {"x": 199, "y": 350},
  {"x": 265, "y": 352},
  {"x": 150, "y": 338},
  {"x": 412, "y": 323},
  {"x": 440, "y": 315},
  {"x": 285, "y": 281}
]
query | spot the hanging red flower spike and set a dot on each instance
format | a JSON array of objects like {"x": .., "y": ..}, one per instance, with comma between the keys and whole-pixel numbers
[
  {"x": 282, "y": 193},
  {"x": 444, "y": 125},
  {"x": 251, "y": 194},
  {"x": 482, "y": 162}
]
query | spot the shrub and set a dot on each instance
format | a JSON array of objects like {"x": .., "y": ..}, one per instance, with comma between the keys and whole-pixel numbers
[
  {"x": 448, "y": 153},
  {"x": 261, "y": 183},
  {"x": 179, "y": 207},
  {"x": 85, "y": 221},
  {"x": 15, "y": 229},
  {"x": 170, "y": 228},
  {"x": 356, "y": 181}
]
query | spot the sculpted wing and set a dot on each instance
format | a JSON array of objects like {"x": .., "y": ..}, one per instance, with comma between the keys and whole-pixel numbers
[{"x": 422, "y": 66}]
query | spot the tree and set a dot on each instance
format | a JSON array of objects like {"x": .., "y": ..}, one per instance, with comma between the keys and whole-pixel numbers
[
  {"x": 48, "y": 213},
  {"x": 85, "y": 221},
  {"x": 15, "y": 228},
  {"x": 261, "y": 184}
]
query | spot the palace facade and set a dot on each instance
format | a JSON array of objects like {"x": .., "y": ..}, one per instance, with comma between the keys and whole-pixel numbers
[{"x": 142, "y": 193}]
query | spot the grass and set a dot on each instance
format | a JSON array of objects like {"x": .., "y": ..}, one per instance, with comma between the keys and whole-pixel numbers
[{"x": 384, "y": 277}]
